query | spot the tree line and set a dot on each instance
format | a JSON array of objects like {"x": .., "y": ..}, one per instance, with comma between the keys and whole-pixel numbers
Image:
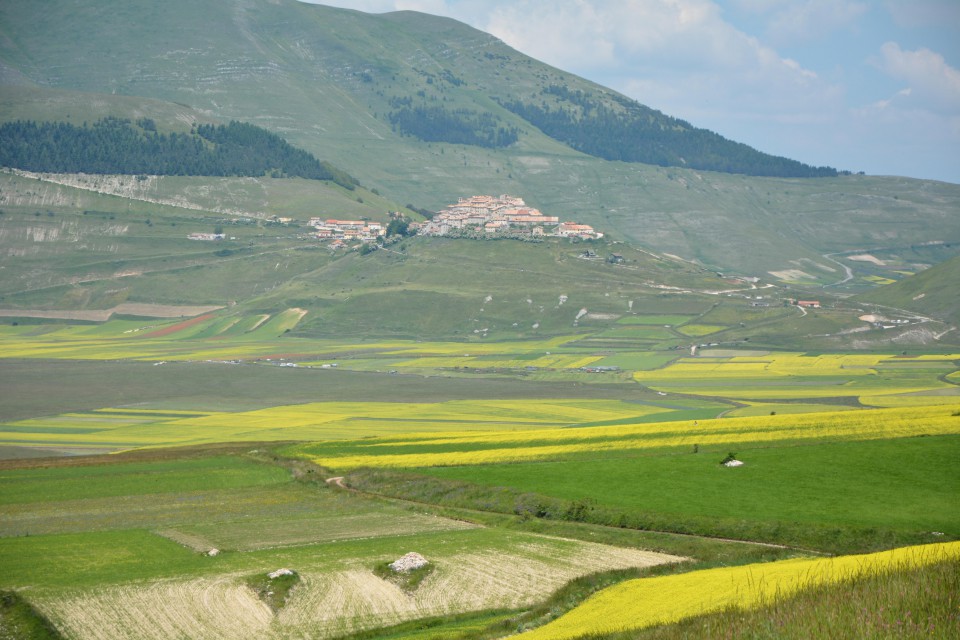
[
  {"x": 460, "y": 126},
  {"x": 630, "y": 132},
  {"x": 118, "y": 146}
]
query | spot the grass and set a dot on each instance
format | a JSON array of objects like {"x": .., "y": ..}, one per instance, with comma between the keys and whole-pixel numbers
[
  {"x": 235, "y": 503},
  {"x": 274, "y": 590},
  {"x": 822, "y": 496},
  {"x": 461, "y": 627},
  {"x": 406, "y": 580},
  {"x": 654, "y": 320},
  {"x": 91, "y": 559},
  {"x": 134, "y": 479},
  {"x": 20, "y": 621}
]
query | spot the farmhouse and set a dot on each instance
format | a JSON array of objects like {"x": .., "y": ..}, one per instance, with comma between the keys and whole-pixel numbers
[
  {"x": 808, "y": 304},
  {"x": 362, "y": 230},
  {"x": 574, "y": 230}
]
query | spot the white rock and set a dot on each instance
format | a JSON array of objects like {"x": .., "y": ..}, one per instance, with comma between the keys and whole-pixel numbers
[
  {"x": 409, "y": 562},
  {"x": 733, "y": 463},
  {"x": 213, "y": 552},
  {"x": 279, "y": 572}
]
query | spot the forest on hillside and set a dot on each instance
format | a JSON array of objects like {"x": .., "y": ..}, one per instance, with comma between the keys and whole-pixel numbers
[
  {"x": 459, "y": 126},
  {"x": 630, "y": 132},
  {"x": 119, "y": 146}
]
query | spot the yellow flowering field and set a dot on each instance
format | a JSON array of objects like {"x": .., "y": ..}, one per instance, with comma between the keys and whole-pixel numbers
[
  {"x": 697, "y": 330},
  {"x": 648, "y": 602},
  {"x": 795, "y": 376},
  {"x": 463, "y": 431},
  {"x": 449, "y": 449},
  {"x": 553, "y": 361},
  {"x": 126, "y": 428}
]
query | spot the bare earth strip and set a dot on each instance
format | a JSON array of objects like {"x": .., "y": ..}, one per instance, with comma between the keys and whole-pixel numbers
[
  {"x": 356, "y": 599},
  {"x": 211, "y": 608},
  {"x": 194, "y": 542},
  {"x": 791, "y": 275},
  {"x": 344, "y": 598},
  {"x": 866, "y": 257},
  {"x": 102, "y": 315}
]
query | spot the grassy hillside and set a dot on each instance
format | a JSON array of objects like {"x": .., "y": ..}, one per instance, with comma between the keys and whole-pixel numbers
[
  {"x": 89, "y": 243},
  {"x": 932, "y": 292},
  {"x": 328, "y": 81},
  {"x": 70, "y": 243}
]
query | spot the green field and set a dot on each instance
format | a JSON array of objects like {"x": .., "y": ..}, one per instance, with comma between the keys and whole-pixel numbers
[
  {"x": 907, "y": 485},
  {"x": 140, "y": 527},
  {"x": 77, "y": 483}
]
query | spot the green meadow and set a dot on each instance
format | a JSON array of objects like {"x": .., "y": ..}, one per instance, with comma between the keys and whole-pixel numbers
[{"x": 907, "y": 486}]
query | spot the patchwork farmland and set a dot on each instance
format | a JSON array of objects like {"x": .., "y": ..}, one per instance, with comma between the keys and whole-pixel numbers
[
  {"x": 230, "y": 404},
  {"x": 530, "y": 473}
]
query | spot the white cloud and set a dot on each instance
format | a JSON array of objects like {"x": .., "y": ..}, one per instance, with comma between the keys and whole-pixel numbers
[
  {"x": 638, "y": 35},
  {"x": 568, "y": 33},
  {"x": 934, "y": 84}
]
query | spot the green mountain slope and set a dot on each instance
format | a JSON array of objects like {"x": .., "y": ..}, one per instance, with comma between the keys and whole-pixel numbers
[
  {"x": 933, "y": 292},
  {"x": 333, "y": 82},
  {"x": 119, "y": 146}
]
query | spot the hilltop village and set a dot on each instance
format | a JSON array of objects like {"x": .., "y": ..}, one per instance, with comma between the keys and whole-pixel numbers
[
  {"x": 500, "y": 214},
  {"x": 469, "y": 217}
]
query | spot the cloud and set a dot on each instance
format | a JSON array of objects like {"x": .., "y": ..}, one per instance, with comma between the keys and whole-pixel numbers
[
  {"x": 635, "y": 34},
  {"x": 934, "y": 84},
  {"x": 679, "y": 56}
]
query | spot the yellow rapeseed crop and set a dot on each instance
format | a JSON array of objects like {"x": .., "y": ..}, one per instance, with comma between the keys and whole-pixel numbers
[
  {"x": 795, "y": 375},
  {"x": 450, "y": 449},
  {"x": 648, "y": 602},
  {"x": 125, "y": 428}
]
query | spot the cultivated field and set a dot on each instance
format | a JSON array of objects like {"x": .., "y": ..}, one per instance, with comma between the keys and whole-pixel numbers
[
  {"x": 133, "y": 544},
  {"x": 456, "y": 449},
  {"x": 658, "y": 601},
  {"x": 515, "y": 470}
]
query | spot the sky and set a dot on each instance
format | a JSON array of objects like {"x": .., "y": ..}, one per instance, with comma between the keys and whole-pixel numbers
[{"x": 860, "y": 85}]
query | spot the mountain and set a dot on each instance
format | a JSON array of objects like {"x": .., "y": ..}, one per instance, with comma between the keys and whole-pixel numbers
[{"x": 365, "y": 91}]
